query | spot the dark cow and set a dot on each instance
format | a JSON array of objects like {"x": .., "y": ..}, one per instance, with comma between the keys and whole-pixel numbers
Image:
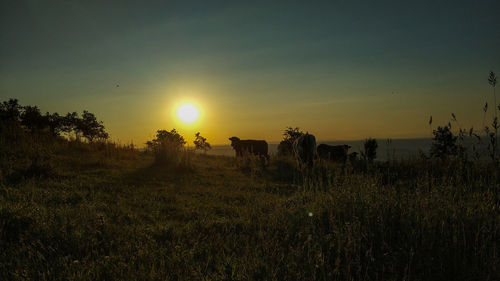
[
  {"x": 335, "y": 153},
  {"x": 242, "y": 147},
  {"x": 304, "y": 149}
]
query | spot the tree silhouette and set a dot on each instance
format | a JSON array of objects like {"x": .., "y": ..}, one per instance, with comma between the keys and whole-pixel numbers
[
  {"x": 33, "y": 120},
  {"x": 69, "y": 123},
  {"x": 10, "y": 111},
  {"x": 90, "y": 128},
  {"x": 170, "y": 139},
  {"x": 55, "y": 123},
  {"x": 201, "y": 143},
  {"x": 30, "y": 119},
  {"x": 166, "y": 146},
  {"x": 444, "y": 143}
]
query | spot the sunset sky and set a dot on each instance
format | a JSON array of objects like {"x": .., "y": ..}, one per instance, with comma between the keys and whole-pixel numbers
[{"x": 338, "y": 69}]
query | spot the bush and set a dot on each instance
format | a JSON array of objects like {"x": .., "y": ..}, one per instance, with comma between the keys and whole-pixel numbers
[
  {"x": 167, "y": 147},
  {"x": 201, "y": 143},
  {"x": 444, "y": 143},
  {"x": 289, "y": 136},
  {"x": 369, "y": 152}
]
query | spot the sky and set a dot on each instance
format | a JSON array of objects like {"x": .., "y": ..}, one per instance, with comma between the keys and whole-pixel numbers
[{"x": 341, "y": 70}]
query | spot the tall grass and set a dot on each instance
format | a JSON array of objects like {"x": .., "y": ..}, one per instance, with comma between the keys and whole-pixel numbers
[{"x": 217, "y": 222}]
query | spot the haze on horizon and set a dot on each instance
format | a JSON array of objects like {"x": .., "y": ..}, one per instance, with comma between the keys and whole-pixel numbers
[{"x": 338, "y": 69}]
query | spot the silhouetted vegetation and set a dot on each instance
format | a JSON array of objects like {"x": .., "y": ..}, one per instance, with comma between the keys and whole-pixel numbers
[
  {"x": 33, "y": 121},
  {"x": 289, "y": 136},
  {"x": 369, "y": 152},
  {"x": 201, "y": 143},
  {"x": 492, "y": 80},
  {"x": 492, "y": 132},
  {"x": 29, "y": 140},
  {"x": 90, "y": 128},
  {"x": 167, "y": 147},
  {"x": 444, "y": 143}
]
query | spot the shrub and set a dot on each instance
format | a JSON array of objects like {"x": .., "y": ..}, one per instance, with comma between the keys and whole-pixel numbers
[
  {"x": 167, "y": 147},
  {"x": 369, "y": 152},
  {"x": 444, "y": 143},
  {"x": 201, "y": 143},
  {"x": 289, "y": 136}
]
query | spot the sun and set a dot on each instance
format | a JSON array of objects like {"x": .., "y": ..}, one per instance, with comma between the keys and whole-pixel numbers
[{"x": 188, "y": 113}]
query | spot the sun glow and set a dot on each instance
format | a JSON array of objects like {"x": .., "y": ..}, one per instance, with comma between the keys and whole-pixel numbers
[{"x": 188, "y": 113}]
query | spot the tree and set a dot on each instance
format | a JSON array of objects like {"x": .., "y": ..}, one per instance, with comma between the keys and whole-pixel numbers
[
  {"x": 10, "y": 110},
  {"x": 289, "y": 136},
  {"x": 166, "y": 146},
  {"x": 444, "y": 143},
  {"x": 55, "y": 123},
  {"x": 32, "y": 120},
  {"x": 90, "y": 128},
  {"x": 201, "y": 143},
  {"x": 369, "y": 152},
  {"x": 69, "y": 123},
  {"x": 165, "y": 138}
]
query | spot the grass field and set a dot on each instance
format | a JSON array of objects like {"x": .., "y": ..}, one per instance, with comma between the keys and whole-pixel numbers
[{"x": 108, "y": 213}]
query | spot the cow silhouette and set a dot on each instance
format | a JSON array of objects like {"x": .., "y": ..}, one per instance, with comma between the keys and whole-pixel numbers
[
  {"x": 335, "y": 153},
  {"x": 255, "y": 147}
]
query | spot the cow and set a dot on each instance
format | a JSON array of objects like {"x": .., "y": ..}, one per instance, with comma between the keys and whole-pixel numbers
[
  {"x": 304, "y": 150},
  {"x": 335, "y": 153},
  {"x": 255, "y": 147}
]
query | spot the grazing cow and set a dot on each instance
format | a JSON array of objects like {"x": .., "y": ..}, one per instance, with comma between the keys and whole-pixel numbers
[
  {"x": 304, "y": 149},
  {"x": 335, "y": 153},
  {"x": 242, "y": 147}
]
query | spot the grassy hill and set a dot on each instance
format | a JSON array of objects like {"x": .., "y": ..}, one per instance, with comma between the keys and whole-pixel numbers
[{"x": 103, "y": 212}]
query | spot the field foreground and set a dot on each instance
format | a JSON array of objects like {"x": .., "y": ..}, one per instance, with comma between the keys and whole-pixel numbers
[{"x": 99, "y": 216}]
